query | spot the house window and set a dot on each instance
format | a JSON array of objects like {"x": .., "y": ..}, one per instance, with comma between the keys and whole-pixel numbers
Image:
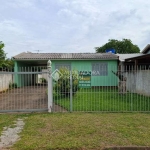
[
  {"x": 58, "y": 66},
  {"x": 99, "y": 69}
]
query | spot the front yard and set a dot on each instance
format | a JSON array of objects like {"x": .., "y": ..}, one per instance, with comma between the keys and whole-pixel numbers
[
  {"x": 104, "y": 99},
  {"x": 6, "y": 120},
  {"x": 83, "y": 131}
]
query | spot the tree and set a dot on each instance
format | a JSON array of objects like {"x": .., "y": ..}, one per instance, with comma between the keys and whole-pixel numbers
[
  {"x": 4, "y": 62},
  {"x": 124, "y": 46},
  {"x": 2, "y": 53},
  {"x": 8, "y": 63}
]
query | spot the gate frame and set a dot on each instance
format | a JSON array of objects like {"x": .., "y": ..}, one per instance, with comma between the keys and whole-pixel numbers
[{"x": 50, "y": 86}]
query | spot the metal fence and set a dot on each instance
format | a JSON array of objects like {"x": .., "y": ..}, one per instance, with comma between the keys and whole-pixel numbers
[
  {"x": 24, "y": 90},
  {"x": 127, "y": 90},
  {"x": 40, "y": 88}
]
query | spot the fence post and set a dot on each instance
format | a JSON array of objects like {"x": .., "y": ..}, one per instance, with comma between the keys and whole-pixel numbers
[
  {"x": 50, "y": 86},
  {"x": 71, "y": 91}
]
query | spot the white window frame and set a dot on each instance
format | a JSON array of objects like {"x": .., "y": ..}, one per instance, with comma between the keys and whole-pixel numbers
[
  {"x": 100, "y": 69},
  {"x": 63, "y": 65}
]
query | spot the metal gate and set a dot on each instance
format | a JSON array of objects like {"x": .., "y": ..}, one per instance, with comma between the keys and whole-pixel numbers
[{"x": 25, "y": 90}]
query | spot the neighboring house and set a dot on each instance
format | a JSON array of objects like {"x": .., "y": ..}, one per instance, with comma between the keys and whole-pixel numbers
[
  {"x": 141, "y": 62},
  {"x": 136, "y": 68},
  {"x": 99, "y": 64},
  {"x": 146, "y": 50},
  {"x": 136, "y": 60},
  {"x": 123, "y": 64}
]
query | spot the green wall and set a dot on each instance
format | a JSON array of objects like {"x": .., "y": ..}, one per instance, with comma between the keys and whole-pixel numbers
[
  {"x": 22, "y": 79},
  {"x": 80, "y": 65},
  {"x": 86, "y": 65}
]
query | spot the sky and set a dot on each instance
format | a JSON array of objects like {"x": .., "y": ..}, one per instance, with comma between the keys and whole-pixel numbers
[{"x": 63, "y": 26}]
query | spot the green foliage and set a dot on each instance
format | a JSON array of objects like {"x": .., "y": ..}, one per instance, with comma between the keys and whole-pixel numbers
[
  {"x": 12, "y": 85},
  {"x": 121, "y": 47},
  {"x": 8, "y": 63},
  {"x": 62, "y": 86},
  {"x": 2, "y": 53},
  {"x": 43, "y": 80}
]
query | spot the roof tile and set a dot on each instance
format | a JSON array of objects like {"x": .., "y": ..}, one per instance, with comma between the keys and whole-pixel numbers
[{"x": 45, "y": 56}]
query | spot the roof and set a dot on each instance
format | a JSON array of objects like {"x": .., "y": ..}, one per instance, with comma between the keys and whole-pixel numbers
[
  {"x": 139, "y": 57},
  {"x": 46, "y": 56},
  {"x": 144, "y": 51},
  {"x": 122, "y": 57}
]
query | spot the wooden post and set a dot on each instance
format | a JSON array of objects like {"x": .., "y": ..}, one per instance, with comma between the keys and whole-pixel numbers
[
  {"x": 122, "y": 82},
  {"x": 122, "y": 87},
  {"x": 136, "y": 65}
]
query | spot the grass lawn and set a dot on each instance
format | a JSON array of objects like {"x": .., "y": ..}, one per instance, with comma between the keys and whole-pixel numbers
[
  {"x": 105, "y": 99},
  {"x": 6, "y": 120},
  {"x": 84, "y": 131}
]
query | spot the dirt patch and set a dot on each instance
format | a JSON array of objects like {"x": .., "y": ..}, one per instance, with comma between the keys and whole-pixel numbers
[
  {"x": 57, "y": 108},
  {"x": 10, "y": 135}
]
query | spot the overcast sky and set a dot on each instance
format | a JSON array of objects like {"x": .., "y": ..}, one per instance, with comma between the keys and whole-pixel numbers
[{"x": 71, "y": 25}]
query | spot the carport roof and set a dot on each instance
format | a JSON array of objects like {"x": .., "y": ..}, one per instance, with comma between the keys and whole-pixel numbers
[
  {"x": 59, "y": 56},
  {"x": 123, "y": 57}
]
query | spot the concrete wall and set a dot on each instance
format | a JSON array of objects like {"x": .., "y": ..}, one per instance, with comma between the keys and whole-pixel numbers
[
  {"x": 5, "y": 79},
  {"x": 139, "y": 82}
]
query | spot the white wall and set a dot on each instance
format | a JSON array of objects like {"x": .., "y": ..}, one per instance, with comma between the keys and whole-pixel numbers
[
  {"x": 139, "y": 82},
  {"x": 45, "y": 75},
  {"x": 5, "y": 79}
]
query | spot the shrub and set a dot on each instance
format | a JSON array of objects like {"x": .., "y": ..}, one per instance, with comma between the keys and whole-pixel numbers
[
  {"x": 43, "y": 80},
  {"x": 12, "y": 85},
  {"x": 62, "y": 86}
]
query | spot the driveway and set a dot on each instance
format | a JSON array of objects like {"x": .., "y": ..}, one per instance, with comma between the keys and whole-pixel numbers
[{"x": 29, "y": 98}]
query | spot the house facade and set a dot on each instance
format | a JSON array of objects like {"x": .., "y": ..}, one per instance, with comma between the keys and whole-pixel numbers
[{"x": 100, "y": 65}]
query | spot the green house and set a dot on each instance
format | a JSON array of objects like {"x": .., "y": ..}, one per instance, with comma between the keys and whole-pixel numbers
[{"x": 98, "y": 66}]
